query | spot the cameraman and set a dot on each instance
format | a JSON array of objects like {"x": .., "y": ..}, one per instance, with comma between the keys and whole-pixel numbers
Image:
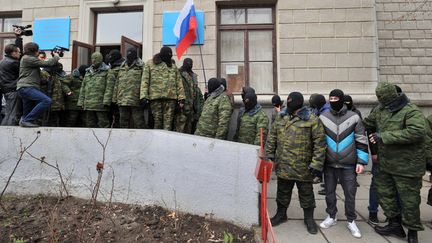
[
  {"x": 35, "y": 102},
  {"x": 9, "y": 71}
]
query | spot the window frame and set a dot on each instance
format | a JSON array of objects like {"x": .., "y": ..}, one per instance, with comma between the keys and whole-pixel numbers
[
  {"x": 7, "y": 35},
  {"x": 246, "y": 28},
  {"x": 97, "y": 11}
]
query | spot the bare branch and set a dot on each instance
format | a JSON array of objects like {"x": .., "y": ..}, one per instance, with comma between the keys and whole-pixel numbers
[{"x": 23, "y": 150}]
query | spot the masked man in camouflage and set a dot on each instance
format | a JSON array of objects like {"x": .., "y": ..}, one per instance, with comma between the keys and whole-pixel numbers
[
  {"x": 297, "y": 138},
  {"x": 71, "y": 86},
  {"x": 216, "y": 114},
  {"x": 96, "y": 93},
  {"x": 114, "y": 59},
  {"x": 398, "y": 127},
  {"x": 184, "y": 116},
  {"x": 250, "y": 121},
  {"x": 198, "y": 104},
  {"x": 162, "y": 87},
  {"x": 127, "y": 91},
  {"x": 55, "y": 92}
]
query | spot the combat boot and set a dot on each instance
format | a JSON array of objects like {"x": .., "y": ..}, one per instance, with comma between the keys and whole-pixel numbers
[
  {"x": 310, "y": 221},
  {"x": 412, "y": 236},
  {"x": 394, "y": 227},
  {"x": 280, "y": 216}
]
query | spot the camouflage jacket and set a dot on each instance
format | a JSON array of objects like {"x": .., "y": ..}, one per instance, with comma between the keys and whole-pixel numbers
[
  {"x": 114, "y": 71},
  {"x": 249, "y": 125},
  {"x": 401, "y": 149},
  {"x": 198, "y": 102},
  {"x": 72, "y": 83},
  {"x": 188, "y": 86},
  {"x": 127, "y": 87},
  {"x": 297, "y": 143},
  {"x": 57, "y": 97},
  {"x": 96, "y": 89},
  {"x": 160, "y": 81},
  {"x": 216, "y": 115}
]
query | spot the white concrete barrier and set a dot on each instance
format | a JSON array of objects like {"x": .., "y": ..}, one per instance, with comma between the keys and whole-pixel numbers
[{"x": 184, "y": 172}]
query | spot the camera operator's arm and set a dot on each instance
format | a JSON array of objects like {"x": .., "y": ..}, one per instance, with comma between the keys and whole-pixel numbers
[{"x": 35, "y": 62}]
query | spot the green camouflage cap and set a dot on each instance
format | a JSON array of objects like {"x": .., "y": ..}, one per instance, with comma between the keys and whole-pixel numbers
[{"x": 386, "y": 92}]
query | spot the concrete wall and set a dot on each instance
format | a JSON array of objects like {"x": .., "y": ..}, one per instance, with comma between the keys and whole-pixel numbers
[
  {"x": 405, "y": 43},
  {"x": 193, "y": 174}
]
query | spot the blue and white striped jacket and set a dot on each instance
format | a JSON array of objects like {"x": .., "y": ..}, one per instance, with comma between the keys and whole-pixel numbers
[{"x": 346, "y": 139}]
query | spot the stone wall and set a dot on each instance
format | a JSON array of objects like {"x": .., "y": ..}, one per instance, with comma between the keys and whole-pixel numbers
[
  {"x": 405, "y": 46},
  {"x": 327, "y": 44}
]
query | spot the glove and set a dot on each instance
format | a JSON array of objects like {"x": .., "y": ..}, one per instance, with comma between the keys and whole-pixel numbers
[
  {"x": 315, "y": 172},
  {"x": 375, "y": 137},
  {"x": 144, "y": 102}
]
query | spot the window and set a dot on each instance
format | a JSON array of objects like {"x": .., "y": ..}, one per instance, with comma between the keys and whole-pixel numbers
[
  {"x": 6, "y": 30},
  {"x": 111, "y": 26},
  {"x": 246, "y": 48}
]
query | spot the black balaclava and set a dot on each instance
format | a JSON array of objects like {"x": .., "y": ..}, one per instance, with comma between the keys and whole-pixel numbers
[
  {"x": 348, "y": 102},
  {"x": 317, "y": 101},
  {"x": 113, "y": 56},
  {"x": 131, "y": 55},
  {"x": 166, "y": 55},
  {"x": 337, "y": 106},
  {"x": 398, "y": 89},
  {"x": 294, "y": 102},
  {"x": 187, "y": 65},
  {"x": 276, "y": 101},
  {"x": 246, "y": 90},
  {"x": 250, "y": 101},
  {"x": 82, "y": 69},
  {"x": 224, "y": 83},
  {"x": 213, "y": 84}
]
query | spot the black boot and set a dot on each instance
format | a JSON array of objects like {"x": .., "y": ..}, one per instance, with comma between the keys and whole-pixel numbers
[
  {"x": 394, "y": 227},
  {"x": 310, "y": 221},
  {"x": 412, "y": 236},
  {"x": 280, "y": 216}
]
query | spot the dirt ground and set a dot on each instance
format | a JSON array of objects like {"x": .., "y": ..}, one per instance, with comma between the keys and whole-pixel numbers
[{"x": 46, "y": 219}]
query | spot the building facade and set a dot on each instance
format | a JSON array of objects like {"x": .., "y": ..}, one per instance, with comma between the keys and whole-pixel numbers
[{"x": 311, "y": 46}]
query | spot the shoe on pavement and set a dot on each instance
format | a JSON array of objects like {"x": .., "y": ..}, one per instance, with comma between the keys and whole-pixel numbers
[
  {"x": 354, "y": 229},
  {"x": 322, "y": 192},
  {"x": 373, "y": 218},
  {"x": 328, "y": 222}
]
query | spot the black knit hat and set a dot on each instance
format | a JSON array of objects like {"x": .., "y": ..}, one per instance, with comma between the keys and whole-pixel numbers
[
  {"x": 213, "y": 84},
  {"x": 276, "y": 100}
]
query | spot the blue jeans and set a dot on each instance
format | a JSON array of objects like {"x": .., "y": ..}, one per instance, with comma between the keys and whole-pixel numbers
[
  {"x": 373, "y": 198},
  {"x": 35, "y": 103}
]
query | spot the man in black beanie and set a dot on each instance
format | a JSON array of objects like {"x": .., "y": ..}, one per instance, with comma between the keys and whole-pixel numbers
[
  {"x": 318, "y": 104},
  {"x": 346, "y": 156},
  {"x": 350, "y": 105},
  {"x": 297, "y": 138}
]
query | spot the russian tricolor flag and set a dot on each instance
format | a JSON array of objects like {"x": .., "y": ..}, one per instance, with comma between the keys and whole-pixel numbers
[{"x": 185, "y": 28}]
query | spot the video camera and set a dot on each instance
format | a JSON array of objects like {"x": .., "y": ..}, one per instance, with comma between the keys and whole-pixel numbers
[
  {"x": 60, "y": 50},
  {"x": 24, "y": 29}
]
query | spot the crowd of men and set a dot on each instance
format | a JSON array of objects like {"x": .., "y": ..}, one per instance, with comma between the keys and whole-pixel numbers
[{"x": 327, "y": 139}]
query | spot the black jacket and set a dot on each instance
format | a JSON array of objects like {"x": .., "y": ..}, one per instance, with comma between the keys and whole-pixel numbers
[{"x": 9, "y": 71}]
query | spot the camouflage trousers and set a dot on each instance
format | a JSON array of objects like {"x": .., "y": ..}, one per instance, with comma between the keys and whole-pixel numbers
[
  {"x": 183, "y": 121},
  {"x": 73, "y": 118},
  {"x": 96, "y": 119},
  {"x": 163, "y": 113},
  {"x": 53, "y": 118},
  {"x": 389, "y": 186},
  {"x": 131, "y": 117},
  {"x": 305, "y": 192}
]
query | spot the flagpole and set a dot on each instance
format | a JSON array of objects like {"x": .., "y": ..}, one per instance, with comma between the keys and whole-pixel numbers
[{"x": 202, "y": 59}]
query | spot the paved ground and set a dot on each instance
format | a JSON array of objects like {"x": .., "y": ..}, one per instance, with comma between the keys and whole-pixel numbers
[{"x": 295, "y": 231}]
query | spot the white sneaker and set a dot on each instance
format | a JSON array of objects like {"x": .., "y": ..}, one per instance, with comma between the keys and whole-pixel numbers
[
  {"x": 354, "y": 229},
  {"x": 328, "y": 222}
]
